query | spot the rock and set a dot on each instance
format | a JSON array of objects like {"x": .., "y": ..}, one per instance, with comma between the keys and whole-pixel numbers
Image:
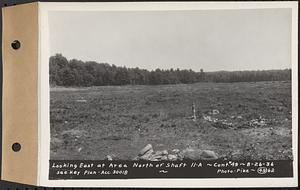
[
  {"x": 148, "y": 155},
  {"x": 159, "y": 154},
  {"x": 147, "y": 148},
  {"x": 83, "y": 101},
  {"x": 222, "y": 124},
  {"x": 154, "y": 159},
  {"x": 111, "y": 157},
  {"x": 108, "y": 157},
  {"x": 157, "y": 157},
  {"x": 175, "y": 151},
  {"x": 172, "y": 157},
  {"x": 215, "y": 112},
  {"x": 191, "y": 154},
  {"x": 207, "y": 118},
  {"x": 180, "y": 156},
  {"x": 196, "y": 154},
  {"x": 208, "y": 155}
]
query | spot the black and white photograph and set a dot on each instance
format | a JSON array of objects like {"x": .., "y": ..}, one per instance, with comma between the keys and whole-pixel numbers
[{"x": 171, "y": 85}]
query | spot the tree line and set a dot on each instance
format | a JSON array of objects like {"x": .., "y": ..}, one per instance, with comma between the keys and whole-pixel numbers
[{"x": 64, "y": 72}]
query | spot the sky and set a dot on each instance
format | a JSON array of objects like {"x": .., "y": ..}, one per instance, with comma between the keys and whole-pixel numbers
[{"x": 211, "y": 40}]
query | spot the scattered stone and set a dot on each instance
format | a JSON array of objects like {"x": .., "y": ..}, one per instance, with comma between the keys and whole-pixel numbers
[
  {"x": 108, "y": 157},
  {"x": 180, "y": 156},
  {"x": 147, "y": 148},
  {"x": 260, "y": 122},
  {"x": 210, "y": 119},
  {"x": 148, "y": 155},
  {"x": 222, "y": 124},
  {"x": 172, "y": 157},
  {"x": 79, "y": 149},
  {"x": 208, "y": 155},
  {"x": 207, "y": 118},
  {"x": 157, "y": 157},
  {"x": 192, "y": 154},
  {"x": 111, "y": 157},
  {"x": 83, "y": 101},
  {"x": 175, "y": 151},
  {"x": 160, "y": 153},
  {"x": 215, "y": 112},
  {"x": 236, "y": 154}
]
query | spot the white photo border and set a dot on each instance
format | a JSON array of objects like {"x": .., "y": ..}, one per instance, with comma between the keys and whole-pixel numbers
[{"x": 44, "y": 95}]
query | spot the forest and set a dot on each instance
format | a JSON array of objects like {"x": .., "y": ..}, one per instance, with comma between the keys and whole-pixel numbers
[{"x": 64, "y": 72}]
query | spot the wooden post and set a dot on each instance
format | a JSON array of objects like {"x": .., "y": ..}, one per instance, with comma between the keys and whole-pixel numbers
[{"x": 194, "y": 112}]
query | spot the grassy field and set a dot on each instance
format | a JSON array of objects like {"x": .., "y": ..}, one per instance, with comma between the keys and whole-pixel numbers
[{"x": 235, "y": 120}]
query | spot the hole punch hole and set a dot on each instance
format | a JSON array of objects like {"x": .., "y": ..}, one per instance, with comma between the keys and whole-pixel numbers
[
  {"x": 16, "y": 44},
  {"x": 16, "y": 147}
]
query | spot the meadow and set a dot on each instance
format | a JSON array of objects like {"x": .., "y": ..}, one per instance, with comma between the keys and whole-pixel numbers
[{"x": 245, "y": 120}]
